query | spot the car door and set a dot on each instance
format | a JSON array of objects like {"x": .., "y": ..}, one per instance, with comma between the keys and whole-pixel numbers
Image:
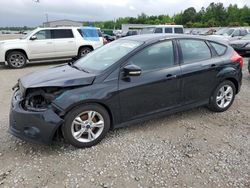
[
  {"x": 199, "y": 70},
  {"x": 65, "y": 44},
  {"x": 41, "y": 46},
  {"x": 158, "y": 86}
]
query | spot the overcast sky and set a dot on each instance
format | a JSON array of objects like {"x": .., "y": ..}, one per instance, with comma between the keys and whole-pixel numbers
[{"x": 30, "y": 13}]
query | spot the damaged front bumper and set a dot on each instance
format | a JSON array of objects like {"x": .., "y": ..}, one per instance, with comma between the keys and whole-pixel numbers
[{"x": 33, "y": 126}]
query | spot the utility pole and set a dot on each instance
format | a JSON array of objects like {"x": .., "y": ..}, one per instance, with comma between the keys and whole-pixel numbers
[
  {"x": 46, "y": 14},
  {"x": 47, "y": 17}
]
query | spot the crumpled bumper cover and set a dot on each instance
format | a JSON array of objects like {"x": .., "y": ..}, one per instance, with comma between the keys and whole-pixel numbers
[{"x": 38, "y": 127}]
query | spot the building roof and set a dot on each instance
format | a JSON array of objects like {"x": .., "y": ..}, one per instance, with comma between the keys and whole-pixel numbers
[{"x": 62, "y": 20}]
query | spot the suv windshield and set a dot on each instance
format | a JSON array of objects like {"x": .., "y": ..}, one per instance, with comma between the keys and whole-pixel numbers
[
  {"x": 221, "y": 31},
  {"x": 102, "y": 58},
  {"x": 27, "y": 35},
  {"x": 228, "y": 32}
]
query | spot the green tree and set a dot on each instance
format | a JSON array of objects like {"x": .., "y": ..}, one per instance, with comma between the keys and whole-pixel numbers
[{"x": 189, "y": 15}]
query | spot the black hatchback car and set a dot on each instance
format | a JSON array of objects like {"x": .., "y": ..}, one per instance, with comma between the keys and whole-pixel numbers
[{"x": 134, "y": 78}]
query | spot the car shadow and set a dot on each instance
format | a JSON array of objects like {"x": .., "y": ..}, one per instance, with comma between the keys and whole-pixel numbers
[{"x": 60, "y": 146}]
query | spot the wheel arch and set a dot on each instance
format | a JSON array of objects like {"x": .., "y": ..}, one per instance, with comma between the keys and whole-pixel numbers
[
  {"x": 16, "y": 49},
  {"x": 235, "y": 82},
  {"x": 105, "y": 106},
  {"x": 231, "y": 74},
  {"x": 83, "y": 46}
]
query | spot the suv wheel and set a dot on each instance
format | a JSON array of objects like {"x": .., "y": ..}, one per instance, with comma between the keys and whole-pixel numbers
[
  {"x": 86, "y": 126},
  {"x": 16, "y": 59},
  {"x": 84, "y": 51},
  {"x": 222, "y": 97}
]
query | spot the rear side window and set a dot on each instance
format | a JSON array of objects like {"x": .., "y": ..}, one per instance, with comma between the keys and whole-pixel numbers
[
  {"x": 157, "y": 56},
  {"x": 178, "y": 30},
  {"x": 168, "y": 30},
  {"x": 62, "y": 33},
  {"x": 194, "y": 50},
  {"x": 158, "y": 30},
  {"x": 219, "y": 48}
]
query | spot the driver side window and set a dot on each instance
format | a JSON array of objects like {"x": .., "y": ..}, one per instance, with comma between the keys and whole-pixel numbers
[
  {"x": 157, "y": 56},
  {"x": 43, "y": 34}
]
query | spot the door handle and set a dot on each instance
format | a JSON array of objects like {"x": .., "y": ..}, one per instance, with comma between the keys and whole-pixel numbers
[
  {"x": 170, "y": 76},
  {"x": 49, "y": 42},
  {"x": 213, "y": 65},
  {"x": 70, "y": 41}
]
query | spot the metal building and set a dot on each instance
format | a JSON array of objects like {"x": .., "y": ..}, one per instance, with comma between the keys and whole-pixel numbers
[{"x": 59, "y": 23}]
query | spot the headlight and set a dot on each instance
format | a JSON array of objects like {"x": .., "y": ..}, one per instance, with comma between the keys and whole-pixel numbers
[{"x": 40, "y": 99}]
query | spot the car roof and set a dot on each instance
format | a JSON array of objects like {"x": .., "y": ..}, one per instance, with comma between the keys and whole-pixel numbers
[
  {"x": 179, "y": 26},
  {"x": 148, "y": 38},
  {"x": 69, "y": 27}
]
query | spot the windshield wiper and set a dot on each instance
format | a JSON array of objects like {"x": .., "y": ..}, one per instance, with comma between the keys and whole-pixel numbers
[{"x": 76, "y": 67}]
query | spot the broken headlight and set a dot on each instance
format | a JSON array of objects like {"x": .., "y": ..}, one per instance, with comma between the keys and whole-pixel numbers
[{"x": 40, "y": 99}]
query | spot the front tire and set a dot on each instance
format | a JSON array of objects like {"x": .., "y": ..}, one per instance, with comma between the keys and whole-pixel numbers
[
  {"x": 86, "y": 125},
  {"x": 223, "y": 97},
  {"x": 83, "y": 51},
  {"x": 16, "y": 59}
]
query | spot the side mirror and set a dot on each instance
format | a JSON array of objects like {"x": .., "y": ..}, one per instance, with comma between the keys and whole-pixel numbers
[
  {"x": 33, "y": 37},
  {"x": 132, "y": 70}
]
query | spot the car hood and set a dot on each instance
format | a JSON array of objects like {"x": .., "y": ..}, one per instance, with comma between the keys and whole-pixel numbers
[
  {"x": 240, "y": 41},
  {"x": 220, "y": 38},
  {"x": 11, "y": 41},
  {"x": 60, "y": 76}
]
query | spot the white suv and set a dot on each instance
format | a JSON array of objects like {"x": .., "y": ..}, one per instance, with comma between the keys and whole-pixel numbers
[{"x": 50, "y": 44}]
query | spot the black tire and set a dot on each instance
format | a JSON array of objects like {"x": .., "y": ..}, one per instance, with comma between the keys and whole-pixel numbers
[
  {"x": 70, "y": 117},
  {"x": 84, "y": 51},
  {"x": 16, "y": 59},
  {"x": 213, "y": 104}
]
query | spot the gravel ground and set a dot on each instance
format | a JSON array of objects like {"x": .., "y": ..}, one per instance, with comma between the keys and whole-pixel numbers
[
  {"x": 10, "y": 36},
  {"x": 196, "y": 148}
]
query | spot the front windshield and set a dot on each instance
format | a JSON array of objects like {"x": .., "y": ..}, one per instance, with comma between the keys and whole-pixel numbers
[
  {"x": 26, "y": 35},
  {"x": 246, "y": 37},
  {"x": 228, "y": 32},
  {"x": 102, "y": 58},
  {"x": 221, "y": 31}
]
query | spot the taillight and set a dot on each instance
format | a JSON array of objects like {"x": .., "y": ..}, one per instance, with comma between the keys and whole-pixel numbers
[{"x": 236, "y": 58}]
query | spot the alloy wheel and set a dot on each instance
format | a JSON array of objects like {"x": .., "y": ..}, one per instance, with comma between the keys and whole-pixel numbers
[
  {"x": 224, "y": 96},
  {"x": 17, "y": 60},
  {"x": 85, "y": 52},
  {"x": 87, "y": 126}
]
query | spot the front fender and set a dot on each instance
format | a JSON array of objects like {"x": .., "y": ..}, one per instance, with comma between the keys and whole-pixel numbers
[
  {"x": 105, "y": 94},
  {"x": 11, "y": 47}
]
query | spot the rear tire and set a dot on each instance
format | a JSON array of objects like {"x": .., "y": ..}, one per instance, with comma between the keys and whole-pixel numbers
[
  {"x": 83, "y": 51},
  {"x": 86, "y": 126},
  {"x": 16, "y": 59},
  {"x": 223, "y": 97}
]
